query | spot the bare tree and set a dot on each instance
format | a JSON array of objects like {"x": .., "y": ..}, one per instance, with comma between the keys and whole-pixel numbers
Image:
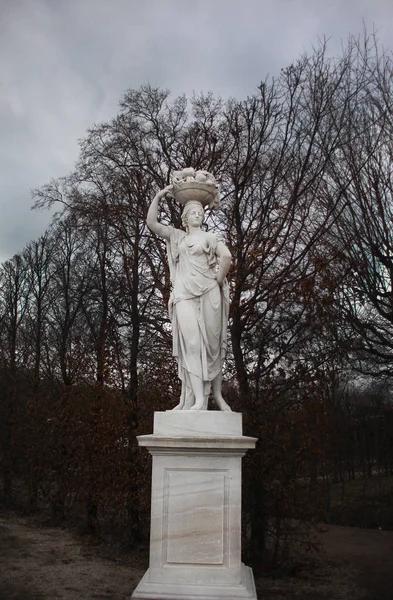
[
  {"x": 362, "y": 243},
  {"x": 14, "y": 300},
  {"x": 38, "y": 256}
]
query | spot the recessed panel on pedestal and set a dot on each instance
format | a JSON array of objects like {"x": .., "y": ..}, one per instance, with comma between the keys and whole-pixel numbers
[{"x": 195, "y": 517}]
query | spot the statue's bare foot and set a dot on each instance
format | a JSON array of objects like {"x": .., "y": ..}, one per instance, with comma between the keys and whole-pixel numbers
[
  {"x": 198, "y": 405},
  {"x": 222, "y": 405}
]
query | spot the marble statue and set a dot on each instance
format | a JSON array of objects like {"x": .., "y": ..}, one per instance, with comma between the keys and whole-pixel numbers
[{"x": 199, "y": 303}]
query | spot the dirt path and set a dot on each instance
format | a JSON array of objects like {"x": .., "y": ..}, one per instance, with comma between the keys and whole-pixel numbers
[
  {"x": 45, "y": 563},
  {"x": 48, "y": 563},
  {"x": 370, "y": 551}
]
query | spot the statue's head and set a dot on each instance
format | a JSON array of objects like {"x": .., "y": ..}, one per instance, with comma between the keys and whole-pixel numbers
[{"x": 192, "y": 204}]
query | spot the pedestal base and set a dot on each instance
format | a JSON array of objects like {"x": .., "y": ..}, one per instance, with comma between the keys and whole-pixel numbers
[
  {"x": 167, "y": 591},
  {"x": 195, "y": 537}
]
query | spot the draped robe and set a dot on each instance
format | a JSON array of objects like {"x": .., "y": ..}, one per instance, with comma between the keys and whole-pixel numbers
[{"x": 193, "y": 270}]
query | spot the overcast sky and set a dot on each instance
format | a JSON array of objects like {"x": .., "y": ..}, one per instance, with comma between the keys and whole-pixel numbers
[{"x": 65, "y": 64}]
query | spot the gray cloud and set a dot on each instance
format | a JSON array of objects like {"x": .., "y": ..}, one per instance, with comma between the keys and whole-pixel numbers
[{"x": 64, "y": 64}]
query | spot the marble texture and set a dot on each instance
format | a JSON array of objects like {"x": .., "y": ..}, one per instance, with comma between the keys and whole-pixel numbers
[
  {"x": 199, "y": 302},
  {"x": 195, "y": 542},
  {"x": 148, "y": 590},
  {"x": 204, "y": 423},
  {"x": 200, "y": 186}
]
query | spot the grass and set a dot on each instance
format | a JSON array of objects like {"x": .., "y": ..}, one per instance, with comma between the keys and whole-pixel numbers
[{"x": 365, "y": 502}]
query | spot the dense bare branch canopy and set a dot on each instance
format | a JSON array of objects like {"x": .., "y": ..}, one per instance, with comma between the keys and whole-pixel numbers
[{"x": 304, "y": 166}]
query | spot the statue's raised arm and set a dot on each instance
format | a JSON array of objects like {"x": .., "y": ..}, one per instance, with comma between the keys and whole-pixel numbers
[
  {"x": 152, "y": 215},
  {"x": 199, "y": 303}
]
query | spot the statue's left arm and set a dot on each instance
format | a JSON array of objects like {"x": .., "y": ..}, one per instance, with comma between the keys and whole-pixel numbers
[{"x": 224, "y": 262}]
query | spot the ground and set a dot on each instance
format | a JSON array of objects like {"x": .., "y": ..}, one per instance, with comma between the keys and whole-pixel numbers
[{"x": 39, "y": 562}]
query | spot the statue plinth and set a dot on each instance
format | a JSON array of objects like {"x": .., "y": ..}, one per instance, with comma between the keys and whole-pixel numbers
[{"x": 195, "y": 539}]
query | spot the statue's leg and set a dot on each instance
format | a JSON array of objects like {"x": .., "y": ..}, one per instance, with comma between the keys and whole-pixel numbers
[
  {"x": 190, "y": 336},
  {"x": 213, "y": 323},
  {"x": 197, "y": 387},
  {"x": 219, "y": 400},
  {"x": 189, "y": 398},
  {"x": 182, "y": 398}
]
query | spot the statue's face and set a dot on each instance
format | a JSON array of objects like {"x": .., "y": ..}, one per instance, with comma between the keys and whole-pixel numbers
[{"x": 195, "y": 216}]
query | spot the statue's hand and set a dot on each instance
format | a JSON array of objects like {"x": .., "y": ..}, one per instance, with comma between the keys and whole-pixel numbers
[
  {"x": 167, "y": 191},
  {"x": 220, "y": 280}
]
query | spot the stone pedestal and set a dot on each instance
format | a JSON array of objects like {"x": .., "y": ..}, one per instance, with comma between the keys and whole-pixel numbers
[{"x": 195, "y": 540}]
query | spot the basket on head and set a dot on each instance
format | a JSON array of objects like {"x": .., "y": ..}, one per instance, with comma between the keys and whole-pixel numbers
[{"x": 198, "y": 186}]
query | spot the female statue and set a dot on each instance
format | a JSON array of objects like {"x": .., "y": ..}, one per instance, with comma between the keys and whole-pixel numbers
[{"x": 198, "y": 307}]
